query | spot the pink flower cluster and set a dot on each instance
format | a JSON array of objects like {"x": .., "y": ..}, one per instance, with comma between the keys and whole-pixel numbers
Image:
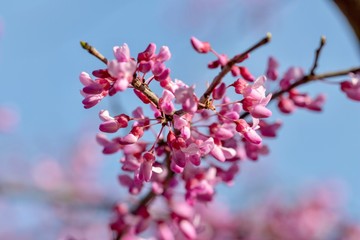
[{"x": 198, "y": 141}]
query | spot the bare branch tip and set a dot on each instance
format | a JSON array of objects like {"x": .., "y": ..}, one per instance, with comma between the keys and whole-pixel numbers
[
  {"x": 268, "y": 36},
  {"x": 323, "y": 40},
  {"x": 83, "y": 44}
]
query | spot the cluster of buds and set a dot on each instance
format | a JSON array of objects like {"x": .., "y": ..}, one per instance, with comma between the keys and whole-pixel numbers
[{"x": 198, "y": 141}]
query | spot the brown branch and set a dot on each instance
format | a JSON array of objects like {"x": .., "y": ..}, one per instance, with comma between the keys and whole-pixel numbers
[
  {"x": 307, "y": 79},
  {"x": 317, "y": 55},
  {"x": 93, "y": 51},
  {"x": 217, "y": 80},
  {"x": 138, "y": 84}
]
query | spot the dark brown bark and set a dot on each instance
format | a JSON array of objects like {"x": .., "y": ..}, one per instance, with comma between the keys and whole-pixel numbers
[{"x": 351, "y": 10}]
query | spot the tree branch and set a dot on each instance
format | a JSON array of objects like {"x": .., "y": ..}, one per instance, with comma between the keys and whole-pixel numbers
[
  {"x": 227, "y": 68},
  {"x": 307, "y": 79}
]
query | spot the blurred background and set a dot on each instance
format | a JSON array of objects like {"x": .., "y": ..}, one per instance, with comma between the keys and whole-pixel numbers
[{"x": 48, "y": 154}]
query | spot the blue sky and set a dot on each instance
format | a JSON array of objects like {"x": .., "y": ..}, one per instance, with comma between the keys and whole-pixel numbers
[{"x": 40, "y": 60}]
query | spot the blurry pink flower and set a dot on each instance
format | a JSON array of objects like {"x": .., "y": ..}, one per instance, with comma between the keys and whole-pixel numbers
[
  {"x": 199, "y": 46},
  {"x": 255, "y": 100},
  {"x": 186, "y": 97},
  {"x": 352, "y": 87},
  {"x": 248, "y": 132},
  {"x": 245, "y": 73},
  {"x": 9, "y": 118},
  {"x": 165, "y": 102},
  {"x": 272, "y": 69},
  {"x": 286, "y": 105}
]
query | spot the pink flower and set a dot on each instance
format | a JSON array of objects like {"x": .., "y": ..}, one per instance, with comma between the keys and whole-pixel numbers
[
  {"x": 272, "y": 70},
  {"x": 199, "y": 46},
  {"x": 122, "y": 72},
  {"x": 317, "y": 103},
  {"x": 112, "y": 124},
  {"x": 245, "y": 73},
  {"x": 293, "y": 74},
  {"x": 219, "y": 92},
  {"x": 352, "y": 87},
  {"x": 186, "y": 97},
  {"x": 9, "y": 119},
  {"x": 146, "y": 166},
  {"x": 286, "y": 105},
  {"x": 122, "y": 53},
  {"x": 148, "y": 60},
  {"x": 93, "y": 91},
  {"x": 269, "y": 129},
  {"x": 134, "y": 135},
  {"x": 240, "y": 85},
  {"x": 255, "y": 100},
  {"x": 222, "y": 153},
  {"x": 165, "y": 102},
  {"x": 248, "y": 132}
]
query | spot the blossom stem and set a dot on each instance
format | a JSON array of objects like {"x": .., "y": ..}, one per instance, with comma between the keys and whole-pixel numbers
[
  {"x": 317, "y": 55},
  {"x": 226, "y": 69},
  {"x": 307, "y": 79}
]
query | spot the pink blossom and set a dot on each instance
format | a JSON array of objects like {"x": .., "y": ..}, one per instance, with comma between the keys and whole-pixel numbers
[
  {"x": 94, "y": 90},
  {"x": 222, "y": 153},
  {"x": 245, "y": 73},
  {"x": 317, "y": 103},
  {"x": 199, "y": 46},
  {"x": 112, "y": 124},
  {"x": 352, "y": 87},
  {"x": 248, "y": 132},
  {"x": 269, "y": 129},
  {"x": 292, "y": 74},
  {"x": 186, "y": 97},
  {"x": 187, "y": 229},
  {"x": 134, "y": 135},
  {"x": 221, "y": 60},
  {"x": 219, "y": 92},
  {"x": 122, "y": 72},
  {"x": 164, "y": 54},
  {"x": 148, "y": 54},
  {"x": 109, "y": 146},
  {"x": 253, "y": 150},
  {"x": 255, "y": 100},
  {"x": 286, "y": 105},
  {"x": 122, "y": 53},
  {"x": 240, "y": 85},
  {"x": 165, "y": 102},
  {"x": 146, "y": 166},
  {"x": 272, "y": 69},
  {"x": 9, "y": 119},
  {"x": 299, "y": 99}
]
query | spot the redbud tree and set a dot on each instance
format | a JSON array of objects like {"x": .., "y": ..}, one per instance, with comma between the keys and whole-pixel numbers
[{"x": 177, "y": 146}]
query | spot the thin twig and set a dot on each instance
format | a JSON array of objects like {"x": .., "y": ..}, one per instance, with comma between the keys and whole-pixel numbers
[
  {"x": 307, "y": 79},
  {"x": 93, "y": 51},
  {"x": 227, "y": 68},
  {"x": 317, "y": 55}
]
